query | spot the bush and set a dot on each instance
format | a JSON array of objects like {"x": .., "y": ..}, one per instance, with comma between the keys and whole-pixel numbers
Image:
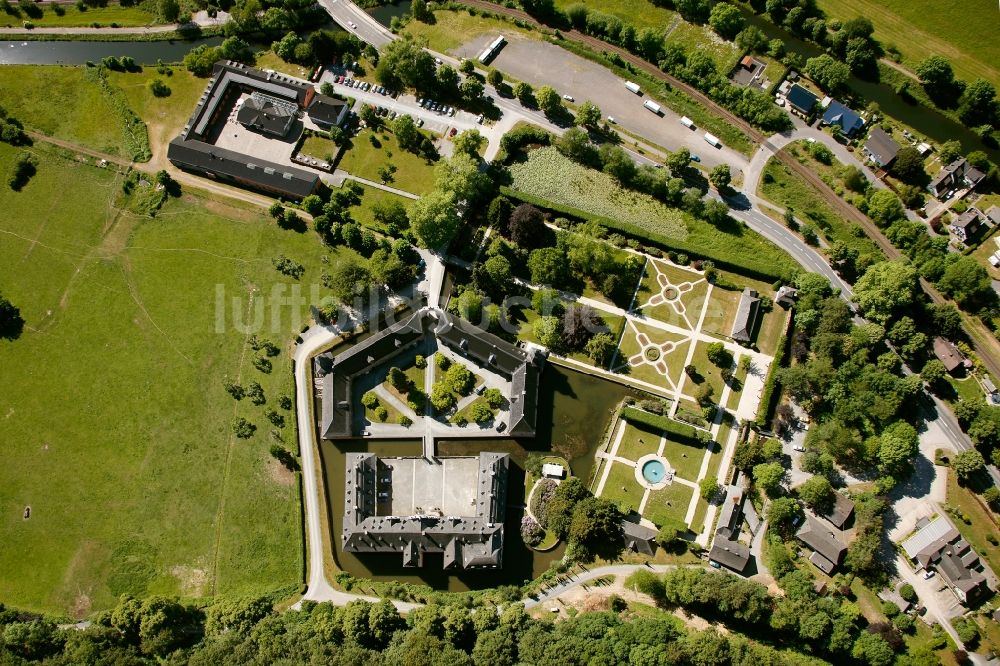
[
  {"x": 369, "y": 400},
  {"x": 967, "y": 631},
  {"x": 243, "y": 428},
  {"x": 493, "y": 397},
  {"x": 381, "y": 413},
  {"x": 679, "y": 432},
  {"x": 158, "y": 88},
  {"x": 405, "y": 421},
  {"x": 420, "y": 362},
  {"x": 908, "y": 593},
  {"x": 531, "y": 532}
]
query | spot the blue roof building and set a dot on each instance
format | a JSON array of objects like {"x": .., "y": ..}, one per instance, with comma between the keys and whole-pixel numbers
[
  {"x": 801, "y": 99},
  {"x": 838, "y": 114}
]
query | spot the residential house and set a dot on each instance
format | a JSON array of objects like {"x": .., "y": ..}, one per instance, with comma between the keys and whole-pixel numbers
[
  {"x": 726, "y": 549},
  {"x": 949, "y": 355},
  {"x": 828, "y": 550},
  {"x": 800, "y": 99},
  {"x": 639, "y": 538},
  {"x": 847, "y": 120},
  {"x": 326, "y": 111},
  {"x": 967, "y": 226},
  {"x": 880, "y": 147},
  {"x": 840, "y": 512},
  {"x": 786, "y": 296},
  {"x": 958, "y": 175},
  {"x": 267, "y": 114},
  {"x": 746, "y": 316},
  {"x": 938, "y": 546}
]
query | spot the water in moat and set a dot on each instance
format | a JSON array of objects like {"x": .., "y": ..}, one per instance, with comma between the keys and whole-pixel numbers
[
  {"x": 575, "y": 410},
  {"x": 385, "y": 13},
  {"x": 81, "y": 52}
]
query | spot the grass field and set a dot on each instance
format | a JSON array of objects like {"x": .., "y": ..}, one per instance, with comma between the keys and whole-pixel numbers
[
  {"x": 963, "y": 32},
  {"x": 451, "y": 29},
  {"x": 362, "y": 213},
  {"x": 622, "y": 488},
  {"x": 127, "y": 458},
  {"x": 671, "y": 503},
  {"x": 363, "y": 158},
  {"x": 319, "y": 147},
  {"x": 123, "y": 16},
  {"x": 686, "y": 460},
  {"x": 73, "y": 107},
  {"x": 636, "y": 443},
  {"x": 550, "y": 176},
  {"x": 269, "y": 60}
]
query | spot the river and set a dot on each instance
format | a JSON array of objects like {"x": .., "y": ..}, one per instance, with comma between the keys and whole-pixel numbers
[
  {"x": 80, "y": 52},
  {"x": 574, "y": 409}
]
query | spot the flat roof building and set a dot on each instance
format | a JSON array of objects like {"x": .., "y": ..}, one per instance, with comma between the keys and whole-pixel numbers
[{"x": 414, "y": 506}]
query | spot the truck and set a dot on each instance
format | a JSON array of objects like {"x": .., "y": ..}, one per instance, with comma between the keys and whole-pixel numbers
[
  {"x": 713, "y": 140},
  {"x": 652, "y": 106},
  {"x": 687, "y": 122},
  {"x": 634, "y": 87}
]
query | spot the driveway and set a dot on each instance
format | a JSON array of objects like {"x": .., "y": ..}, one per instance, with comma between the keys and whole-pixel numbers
[{"x": 541, "y": 63}]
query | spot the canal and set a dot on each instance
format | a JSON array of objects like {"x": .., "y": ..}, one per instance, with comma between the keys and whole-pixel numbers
[
  {"x": 81, "y": 52},
  {"x": 574, "y": 412},
  {"x": 385, "y": 13}
]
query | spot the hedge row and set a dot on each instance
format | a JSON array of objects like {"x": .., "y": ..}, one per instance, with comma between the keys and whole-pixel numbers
[
  {"x": 767, "y": 274},
  {"x": 679, "y": 432},
  {"x": 769, "y": 395}
]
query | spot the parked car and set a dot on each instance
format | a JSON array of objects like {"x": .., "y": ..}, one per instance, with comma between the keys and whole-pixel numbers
[
  {"x": 928, "y": 575},
  {"x": 569, "y": 98},
  {"x": 611, "y": 119},
  {"x": 393, "y": 114},
  {"x": 453, "y": 132},
  {"x": 480, "y": 119},
  {"x": 354, "y": 26},
  {"x": 451, "y": 110},
  {"x": 695, "y": 158},
  {"x": 420, "y": 122},
  {"x": 799, "y": 448}
]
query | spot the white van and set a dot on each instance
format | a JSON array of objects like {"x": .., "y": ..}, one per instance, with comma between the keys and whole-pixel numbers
[
  {"x": 713, "y": 140},
  {"x": 687, "y": 122},
  {"x": 634, "y": 87},
  {"x": 652, "y": 106}
]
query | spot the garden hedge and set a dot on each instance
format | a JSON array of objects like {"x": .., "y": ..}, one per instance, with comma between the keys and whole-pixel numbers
[{"x": 679, "y": 432}]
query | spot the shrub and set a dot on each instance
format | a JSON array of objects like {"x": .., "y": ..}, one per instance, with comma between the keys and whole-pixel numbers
[
  {"x": 493, "y": 397},
  {"x": 443, "y": 362},
  {"x": 544, "y": 493},
  {"x": 531, "y": 532},
  {"x": 679, "y": 432},
  {"x": 908, "y": 593},
  {"x": 235, "y": 390},
  {"x": 256, "y": 394},
  {"x": 967, "y": 630},
  {"x": 381, "y": 413},
  {"x": 243, "y": 428},
  {"x": 420, "y": 362},
  {"x": 158, "y": 88},
  {"x": 405, "y": 421},
  {"x": 276, "y": 419},
  {"x": 369, "y": 400}
]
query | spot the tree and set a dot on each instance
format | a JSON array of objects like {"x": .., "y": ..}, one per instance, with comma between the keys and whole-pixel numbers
[
  {"x": 460, "y": 379},
  {"x": 817, "y": 493},
  {"x": 447, "y": 78},
  {"x": 693, "y": 11},
  {"x": 965, "y": 280},
  {"x": 781, "y": 514},
  {"x": 949, "y": 151},
  {"x": 403, "y": 63},
  {"x": 472, "y": 89},
  {"x": 967, "y": 464},
  {"x": 601, "y": 348},
  {"x": 170, "y": 10},
  {"x": 751, "y": 39},
  {"x": 720, "y": 176},
  {"x": 461, "y": 176},
  {"x": 469, "y": 142},
  {"x": 548, "y": 332},
  {"x": 897, "y": 445},
  {"x": 407, "y": 134},
  {"x": 158, "y": 88},
  {"x": 719, "y": 355},
  {"x": 549, "y": 100},
  {"x": 726, "y": 20},
  {"x": 434, "y": 219},
  {"x": 884, "y": 207},
  {"x": 937, "y": 77},
  {"x": 769, "y": 477},
  {"x": 872, "y": 650},
  {"x": 679, "y": 161},
  {"x": 588, "y": 115},
  {"x": 979, "y": 104},
  {"x": 909, "y": 166},
  {"x": 11, "y": 322},
  {"x": 547, "y": 265},
  {"x": 709, "y": 488},
  {"x": 495, "y": 78},
  {"x": 236, "y": 615},
  {"x": 420, "y": 12},
  {"x": 575, "y": 144},
  {"x": 827, "y": 72},
  {"x": 524, "y": 93},
  {"x": 595, "y": 522},
  {"x": 579, "y": 324},
  {"x": 933, "y": 372},
  {"x": 618, "y": 164},
  {"x": 884, "y": 288},
  {"x": 527, "y": 226}
]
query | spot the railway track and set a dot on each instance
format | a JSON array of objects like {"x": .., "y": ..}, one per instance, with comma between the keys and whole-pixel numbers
[{"x": 984, "y": 343}]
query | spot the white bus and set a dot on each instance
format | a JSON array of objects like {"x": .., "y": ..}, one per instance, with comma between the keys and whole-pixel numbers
[
  {"x": 713, "y": 140},
  {"x": 634, "y": 87},
  {"x": 492, "y": 49},
  {"x": 652, "y": 106}
]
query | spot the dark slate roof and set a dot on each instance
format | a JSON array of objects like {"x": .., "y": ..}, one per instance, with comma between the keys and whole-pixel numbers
[
  {"x": 957, "y": 174},
  {"x": 881, "y": 146},
  {"x": 801, "y": 99},
  {"x": 730, "y": 554},
  {"x": 325, "y": 110},
  {"x": 473, "y": 542},
  {"x": 639, "y": 538},
  {"x": 265, "y": 116},
  {"x": 818, "y": 537},
  {"x": 842, "y": 509},
  {"x": 838, "y": 114},
  {"x": 230, "y": 165},
  {"x": 948, "y": 354},
  {"x": 969, "y": 221},
  {"x": 746, "y": 315}
]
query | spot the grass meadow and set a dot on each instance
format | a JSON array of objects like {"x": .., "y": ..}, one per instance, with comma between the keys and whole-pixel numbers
[
  {"x": 963, "y": 32},
  {"x": 451, "y": 29},
  {"x": 369, "y": 151},
  {"x": 113, "y": 13},
  {"x": 116, "y": 426}
]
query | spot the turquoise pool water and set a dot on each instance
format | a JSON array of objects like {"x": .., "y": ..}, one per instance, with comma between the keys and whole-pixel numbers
[{"x": 654, "y": 471}]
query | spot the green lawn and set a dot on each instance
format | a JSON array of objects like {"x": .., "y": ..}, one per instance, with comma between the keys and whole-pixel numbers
[
  {"x": 363, "y": 158},
  {"x": 268, "y": 60},
  {"x": 685, "y": 459},
  {"x": 319, "y": 147},
  {"x": 125, "y": 451},
  {"x": 454, "y": 28},
  {"x": 674, "y": 360},
  {"x": 636, "y": 443},
  {"x": 73, "y": 107},
  {"x": 690, "y": 301},
  {"x": 964, "y": 32},
  {"x": 113, "y": 13},
  {"x": 711, "y": 373},
  {"x": 721, "y": 311},
  {"x": 621, "y": 487},
  {"x": 362, "y": 213},
  {"x": 671, "y": 503}
]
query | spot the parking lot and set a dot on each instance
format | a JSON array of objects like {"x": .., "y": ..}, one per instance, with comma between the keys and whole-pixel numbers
[{"x": 541, "y": 63}]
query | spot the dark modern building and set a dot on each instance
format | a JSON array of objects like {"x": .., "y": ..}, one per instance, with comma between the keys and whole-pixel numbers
[
  {"x": 472, "y": 540},
  {"x": 843, "y": 117},
  {"x": 956, "y": 176},
  {"x": 726, "y": 549},
  {"x": 801, "y": 99},
  {"x": 271, "y": 105}
]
